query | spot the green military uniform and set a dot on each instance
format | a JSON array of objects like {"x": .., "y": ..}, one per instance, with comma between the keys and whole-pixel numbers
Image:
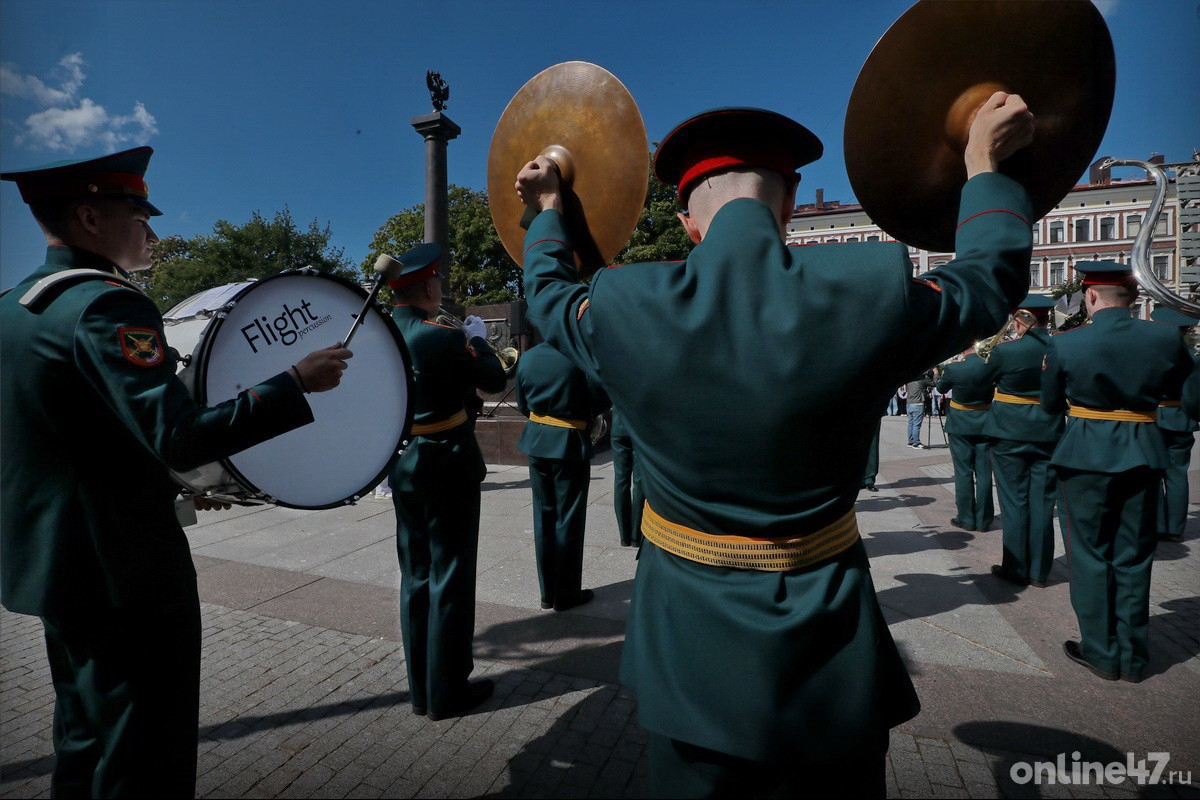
[
  {"x": 1024, "y": 435},
  {"x": 794, "y": 667},
  {"x": 435, "y": 489},
  {"x": 560, "y": 402},
  {"x": 1109, "y": 460},
  {"x": 970, "y": 447},
  {"x": 871, "y": 470},
  {"x": 627, "y": 488},
  {"x": 1179, "y": 425},
  {"x": 94, "y": 418}
]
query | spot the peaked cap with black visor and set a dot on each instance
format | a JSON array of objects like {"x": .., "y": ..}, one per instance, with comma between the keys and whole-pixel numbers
[
  {"x": 733, "y": 138},
  {"x": 117, "y": 175}
]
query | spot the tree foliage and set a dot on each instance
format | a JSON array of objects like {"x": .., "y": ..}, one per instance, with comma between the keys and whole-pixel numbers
[
  {"x": 658, "y": 236},
  {"x": 481, "y": 272},
  {"x": 258, "y": 249}
]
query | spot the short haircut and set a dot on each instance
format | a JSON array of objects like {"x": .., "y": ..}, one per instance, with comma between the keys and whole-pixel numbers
[
  {"x": 1117, "y": 294},
  {"x": 54, "y": 216}
]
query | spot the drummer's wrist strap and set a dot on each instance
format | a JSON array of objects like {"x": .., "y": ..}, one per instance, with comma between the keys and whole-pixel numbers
[{"x": 300, "y": 380}]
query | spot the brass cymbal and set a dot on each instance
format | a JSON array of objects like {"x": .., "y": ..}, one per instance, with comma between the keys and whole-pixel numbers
[
  {"x": 585, "y": 121},
  {"x": 904, "y": 135}
]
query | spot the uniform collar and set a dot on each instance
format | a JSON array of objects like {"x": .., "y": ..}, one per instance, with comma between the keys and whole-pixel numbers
[
  {"x": 67, "y": 257},
  {"x": 1112, "y": 312},
  {"x": 406, "y": 310}
]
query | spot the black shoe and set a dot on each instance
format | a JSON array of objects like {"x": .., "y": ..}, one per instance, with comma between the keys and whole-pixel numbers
[
  {"x": 1038, "y": 584},
  {"x": 585, "y": 596},
  {"x": 420, "y": 711},
  {"x": 1071, "y": 648},
  {"x": 1004, "y": 575},
  {"x": 476, "y": 693},
  {"x": 547, "y": 605},
  {"x": 958, "y": 523},
  {"x": 623, "y": 544},
  {"x": 1170, "y": 537},
  {"x": 1133, "y": 678}
]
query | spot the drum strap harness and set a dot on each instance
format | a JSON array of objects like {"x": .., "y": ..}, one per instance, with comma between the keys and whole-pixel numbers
[
  {"x": 35, "y": 293},
  {"x": 970, "y": 406},
  {"x": 559, "y": 422},
  {"x": 1117, "y": 415},
  {"x": 779, "y": 554},
  {"x": 1170, "y": 404},
  {"x": 453, "y": 421}
]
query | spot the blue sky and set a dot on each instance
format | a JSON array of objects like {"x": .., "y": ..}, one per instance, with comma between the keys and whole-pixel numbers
[{"x": 252, "y": 105}]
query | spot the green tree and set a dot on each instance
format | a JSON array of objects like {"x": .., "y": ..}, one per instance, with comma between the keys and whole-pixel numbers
[
  {"x": 258, "y": 249},
  {"x": 481, "y": 272},
  {"x": 658, "y": 235}
]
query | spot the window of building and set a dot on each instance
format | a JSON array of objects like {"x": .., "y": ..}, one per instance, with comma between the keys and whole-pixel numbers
[
  {"x": 1056, "y": 232},
  {"x": 1160, "y": 227},
  {"x": 1133, "y": 224},
  {"x": 1083, "y": 230},
  {"x": 1160, "y": 265},
  {"x": 1035, "y": 275},
  {"x": 851, "y": 238},
  {"x": 1037, "y": 234},
  {"x": 874, "y": 237},
  {"x": 1108, "y": 228},
  {"x": 1058, "y": 272}
]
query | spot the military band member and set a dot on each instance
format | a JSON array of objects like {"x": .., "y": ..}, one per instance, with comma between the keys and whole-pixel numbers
[
  {"x": 1179, "y": 434},
  {"x": 970, "y": 449},
  {"x": 560, "y": 401},
  {"x": 627, "y": 488},
  {"x": 1023, "y": 438},
  {"x": 1111, "y": 375},
  {"x": 755, "y": 644},
  {"x": 94, "y": 420},
  {"x": 435, "y": 488}
]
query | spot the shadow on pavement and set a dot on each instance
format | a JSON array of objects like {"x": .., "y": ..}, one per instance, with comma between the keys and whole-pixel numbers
[
  {"x": 868, "y": 504},
  {"x": 572, "y": 643},
  {"x": 493, "y": 486},
  {"x": 1028, "y": 773},
  {"x": 908, "y": 483},
  {"x": 926, "y": 595},
  {"x": 894, "y": 543},
  {"x": 1173, "y": 636},
  {"x": 595, "y": 749}
]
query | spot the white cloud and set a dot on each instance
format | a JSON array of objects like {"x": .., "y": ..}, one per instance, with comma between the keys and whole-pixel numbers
[{"x": 67, "y": 122}]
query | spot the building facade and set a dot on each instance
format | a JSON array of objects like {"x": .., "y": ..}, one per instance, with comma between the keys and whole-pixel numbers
[{"x": 1096, "y": 221}]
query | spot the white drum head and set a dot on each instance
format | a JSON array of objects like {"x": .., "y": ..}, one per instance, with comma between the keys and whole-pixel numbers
[{"x": 358, "y": 427}]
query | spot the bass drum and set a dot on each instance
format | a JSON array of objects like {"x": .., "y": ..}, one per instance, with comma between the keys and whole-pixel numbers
[{"x": 233, "y": 337}]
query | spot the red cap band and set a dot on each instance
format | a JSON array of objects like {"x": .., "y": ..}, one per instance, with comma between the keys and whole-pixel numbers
[
  {"x": 84, "y": 184},
  {"x": 413, "y": 278},
  {"x": 775, "y": 159}
]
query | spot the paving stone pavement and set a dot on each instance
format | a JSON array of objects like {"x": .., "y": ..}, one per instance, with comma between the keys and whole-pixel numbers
[{"x": 304, "y": 691}]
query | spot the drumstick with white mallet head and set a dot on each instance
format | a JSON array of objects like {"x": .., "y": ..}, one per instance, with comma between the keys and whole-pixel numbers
[{"x": 386, "y": 268}]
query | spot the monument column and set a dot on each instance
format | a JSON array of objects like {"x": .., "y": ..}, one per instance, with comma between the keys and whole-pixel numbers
[{"x": 437, "y": 129}]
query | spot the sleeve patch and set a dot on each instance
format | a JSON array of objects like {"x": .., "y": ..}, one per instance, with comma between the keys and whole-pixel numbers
[
  {"x": 141, "y": 346},
  {"x": 930, "y": 284},
  {"x": 582, "y": 308}
]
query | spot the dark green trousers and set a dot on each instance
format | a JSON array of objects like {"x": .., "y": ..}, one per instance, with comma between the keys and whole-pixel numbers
[
  {"x": 437, "y": 539},
  {"x": 678, "y": 769},
  {"x": 871, "y": 471},
  {"x": 1173, "y": 505},
  {"x": 1026, "y": 484},
  {"x": 1110, "y": 539},
  {"x": 127, "y": 702},
  {"x": 971, "y": 456},
  {"x": 560, "y": 491},
  {"x": 627, "y": 492}
]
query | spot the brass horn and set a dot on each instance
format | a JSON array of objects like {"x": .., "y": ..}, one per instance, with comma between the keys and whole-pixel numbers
[
  {"x": 1026, "y": 318},
  {"x": 508, "y": 355}
]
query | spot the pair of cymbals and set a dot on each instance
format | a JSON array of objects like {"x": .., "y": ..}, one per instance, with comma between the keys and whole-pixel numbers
[
  {"x": 915, "y": 97},
  {"x": 585, "y": 121}
]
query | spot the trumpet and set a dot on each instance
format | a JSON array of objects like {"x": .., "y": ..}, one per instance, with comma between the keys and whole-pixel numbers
[
  {"x": 983, "y": 348},
  {"x": 508, "y": 355}
]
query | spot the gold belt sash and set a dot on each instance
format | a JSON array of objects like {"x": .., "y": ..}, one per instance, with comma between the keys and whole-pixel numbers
[
  {"x": 970, "y": 406},
  {"x": 559, "y": 422},
  {"x": 1001, "y": 397},
  {"x": 751, "y": 552},
  {"x": 1118, "y": 415},
  {"x": 453, "y": 421},
  {"x": 1170, "y": 404}
]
